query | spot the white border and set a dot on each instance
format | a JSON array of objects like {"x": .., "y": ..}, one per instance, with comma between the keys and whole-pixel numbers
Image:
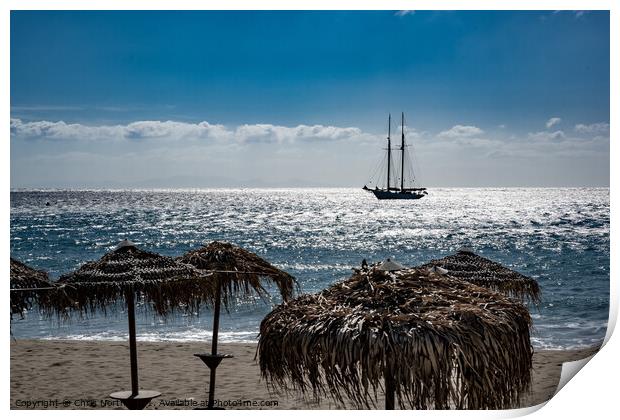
[
  {"x": 311, "y": 5},
  {"x": 590, "y": 395}
]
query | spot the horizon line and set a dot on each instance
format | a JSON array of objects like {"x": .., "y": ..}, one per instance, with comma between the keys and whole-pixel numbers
[{"x": 83, "y": 188}]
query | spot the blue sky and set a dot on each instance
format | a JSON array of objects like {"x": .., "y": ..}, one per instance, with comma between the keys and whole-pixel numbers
[{"x": 301, "y": 98}]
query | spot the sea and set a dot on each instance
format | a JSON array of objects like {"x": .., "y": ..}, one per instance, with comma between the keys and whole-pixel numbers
[{"x": 559, "y": 236}]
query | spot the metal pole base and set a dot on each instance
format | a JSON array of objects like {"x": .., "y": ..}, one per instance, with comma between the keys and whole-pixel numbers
[
  {"x": 212, "y": 360},
  {"x": 135, "y": 402}
]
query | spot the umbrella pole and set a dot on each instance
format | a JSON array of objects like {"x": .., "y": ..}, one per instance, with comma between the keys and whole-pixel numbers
[
  {"x": 133, "y": 353},
  {"x": 389, "y": 389},
  {"x": 213, "y": 359},
  {"x": 134, "y": 399},
  {"x": 216, "y": 317},
  {"x": 216, "y": 328}
]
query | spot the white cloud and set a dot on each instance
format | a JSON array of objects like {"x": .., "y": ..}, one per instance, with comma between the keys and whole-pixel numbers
[
  {"x": 405, "y": 12},
  {"x": 576, "y": 13},
  {"x": 174, "y": 130},
  {"x": 548, "y": 144},
  {"x": 596, "y": 128},
  {"x": 61, "y": 130},
  {"x": 553, "y": 121},
  {"x": 461, "y": 131},
  {"x": 546, "y": 136},
  {"x": 268, "y": 133}
]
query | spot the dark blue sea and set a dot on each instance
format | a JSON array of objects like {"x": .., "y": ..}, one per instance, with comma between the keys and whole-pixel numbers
[{"x": 558, "y": 236}]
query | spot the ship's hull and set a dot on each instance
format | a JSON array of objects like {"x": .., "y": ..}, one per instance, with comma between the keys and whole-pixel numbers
[{"x": 398, "y": 195}]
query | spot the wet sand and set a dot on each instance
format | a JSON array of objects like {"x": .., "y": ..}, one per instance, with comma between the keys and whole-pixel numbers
[{"x": 81, "y": 375}]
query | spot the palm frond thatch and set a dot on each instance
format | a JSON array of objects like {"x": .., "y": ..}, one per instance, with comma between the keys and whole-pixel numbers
[
  {"x": 25, "y": 277},
  {"x": 229, "y": 260},
  {"x": 483, "y": 272},
  {"x": 158, "y": 280},
  {"x": 446, "y": 343}
]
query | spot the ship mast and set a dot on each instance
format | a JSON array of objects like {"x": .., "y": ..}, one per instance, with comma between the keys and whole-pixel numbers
[
  {"x": 389, "y": 150},
  {"x": 402, "y": 153}
]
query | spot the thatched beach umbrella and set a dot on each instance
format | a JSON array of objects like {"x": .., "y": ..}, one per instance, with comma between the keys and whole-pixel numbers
[
  {"x": 27, "y": 284},
  {"x": 126, "y": 273},
  {"x": 434, "y": 341},
  {"x": 237, "y": 272},
  {"x": 468, "y": 266}
]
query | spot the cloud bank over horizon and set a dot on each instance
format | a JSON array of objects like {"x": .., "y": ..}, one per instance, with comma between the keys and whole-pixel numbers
[
  {"x": 175, "y": 130},
  {"x": 182, "y": 154}
]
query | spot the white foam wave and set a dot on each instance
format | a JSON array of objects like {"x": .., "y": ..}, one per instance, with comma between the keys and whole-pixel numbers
[{"x": 191, "y": 335}]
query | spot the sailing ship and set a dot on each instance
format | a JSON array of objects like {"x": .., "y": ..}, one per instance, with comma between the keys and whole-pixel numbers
[{"x": 396, "y": 191}]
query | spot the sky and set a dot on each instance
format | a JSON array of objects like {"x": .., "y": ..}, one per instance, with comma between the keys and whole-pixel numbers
[{"x": 145, "y": 99}]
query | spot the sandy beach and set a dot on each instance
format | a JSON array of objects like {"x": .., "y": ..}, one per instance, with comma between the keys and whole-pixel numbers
[{"x": 81, "y": 375}]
